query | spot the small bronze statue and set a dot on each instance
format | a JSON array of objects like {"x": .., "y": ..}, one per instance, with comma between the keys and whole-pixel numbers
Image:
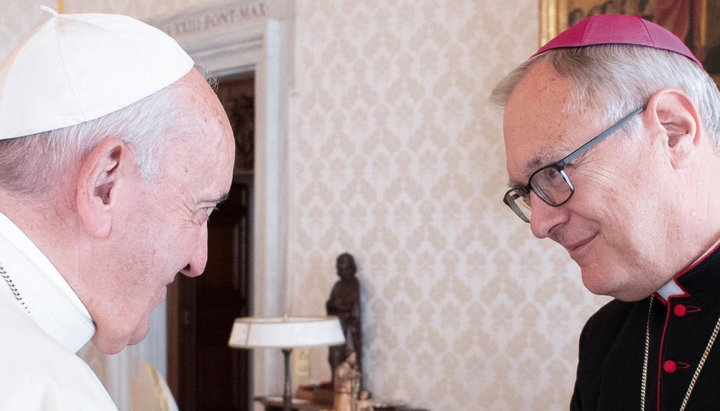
[{"x": 344, "y": 303}]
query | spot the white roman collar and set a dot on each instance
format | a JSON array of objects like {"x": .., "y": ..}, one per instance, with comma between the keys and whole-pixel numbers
[
  {"x": 671, "y": 288},
  {"x": 53, "y": 304}
]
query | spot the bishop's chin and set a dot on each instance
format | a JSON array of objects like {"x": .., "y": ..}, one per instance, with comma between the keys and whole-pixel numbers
[
  {"x": 599, "y": 281},
  {"x": 607, "y": 284}
]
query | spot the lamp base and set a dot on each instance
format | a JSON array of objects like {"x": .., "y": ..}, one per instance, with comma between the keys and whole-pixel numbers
[{"x": 287, "y": 396}]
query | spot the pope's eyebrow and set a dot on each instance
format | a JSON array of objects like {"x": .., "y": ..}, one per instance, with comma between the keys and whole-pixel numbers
[{"x": 217, "y": 200}]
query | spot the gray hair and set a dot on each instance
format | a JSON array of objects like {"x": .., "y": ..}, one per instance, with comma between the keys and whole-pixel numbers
[
  {"x": 612, "y": 80},
  {"x": 34, "y": 164}
]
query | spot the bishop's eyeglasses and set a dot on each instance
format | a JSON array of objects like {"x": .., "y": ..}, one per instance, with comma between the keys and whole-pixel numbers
[{"x": 550, "y": 183}]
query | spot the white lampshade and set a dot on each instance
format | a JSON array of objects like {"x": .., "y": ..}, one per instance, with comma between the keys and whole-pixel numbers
[{"x": 286, "y": 332}]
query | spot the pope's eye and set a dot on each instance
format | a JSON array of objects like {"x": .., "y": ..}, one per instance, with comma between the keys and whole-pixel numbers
[{"x": 203, "y": 215}]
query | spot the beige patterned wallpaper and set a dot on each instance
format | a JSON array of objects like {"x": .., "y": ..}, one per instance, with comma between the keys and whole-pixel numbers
[{"x": 396, "y": 157}]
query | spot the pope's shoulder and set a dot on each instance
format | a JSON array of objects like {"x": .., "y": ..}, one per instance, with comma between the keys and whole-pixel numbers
[{"x": 38, "y": 373}]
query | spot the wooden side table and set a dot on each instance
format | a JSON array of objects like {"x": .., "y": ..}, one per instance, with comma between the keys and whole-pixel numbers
[{"x": 276, "y": 404}]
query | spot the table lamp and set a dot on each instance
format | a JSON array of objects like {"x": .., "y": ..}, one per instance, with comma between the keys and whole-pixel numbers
[{"x": 286, "y": 333}]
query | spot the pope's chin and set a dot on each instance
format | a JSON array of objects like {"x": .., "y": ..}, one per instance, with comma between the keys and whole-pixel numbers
[
  {"x": 140, "y": 332},
  {"x": 113, "y": 344}
]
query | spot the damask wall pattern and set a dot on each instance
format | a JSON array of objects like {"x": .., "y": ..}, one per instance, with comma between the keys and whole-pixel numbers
[{"x": 396, "y": 156}]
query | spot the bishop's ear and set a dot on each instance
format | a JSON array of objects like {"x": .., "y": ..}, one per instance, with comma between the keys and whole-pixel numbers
[
  {"x": 679, "y": 123},
  {"x": 97, "y": 185}
]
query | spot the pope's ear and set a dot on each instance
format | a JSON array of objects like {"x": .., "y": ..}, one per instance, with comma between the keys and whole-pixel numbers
[
  {"x": 97, "y": 185},
  {"x": 679, "y": 121}
]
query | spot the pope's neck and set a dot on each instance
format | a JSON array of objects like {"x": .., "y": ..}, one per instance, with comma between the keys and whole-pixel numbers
[{"x": 53, "y": 229}]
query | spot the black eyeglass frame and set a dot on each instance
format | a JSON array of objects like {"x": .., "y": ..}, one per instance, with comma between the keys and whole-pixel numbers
[{"x": 517, "y": 192}]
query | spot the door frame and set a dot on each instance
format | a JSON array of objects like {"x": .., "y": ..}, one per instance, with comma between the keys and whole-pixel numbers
[{"x": 239, "y": 36}]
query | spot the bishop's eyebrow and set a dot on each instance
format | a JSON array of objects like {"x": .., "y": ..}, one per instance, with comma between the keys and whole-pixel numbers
[{"x": 533, "y": 165}]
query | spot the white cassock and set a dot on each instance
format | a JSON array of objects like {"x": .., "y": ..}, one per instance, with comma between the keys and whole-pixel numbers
[{"x": 38, "y": 366}]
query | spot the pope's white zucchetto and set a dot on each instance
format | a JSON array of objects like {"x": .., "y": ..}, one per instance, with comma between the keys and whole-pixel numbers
[{"x": 79, "y": 67}]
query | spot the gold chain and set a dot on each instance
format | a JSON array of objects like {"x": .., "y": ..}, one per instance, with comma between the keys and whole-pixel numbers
[
  {"x": 643, "y": 384},
  {"x": 701, "y": 364}
]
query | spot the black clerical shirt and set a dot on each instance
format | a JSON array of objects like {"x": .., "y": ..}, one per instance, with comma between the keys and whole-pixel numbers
[{"x": 612, "y": 347}]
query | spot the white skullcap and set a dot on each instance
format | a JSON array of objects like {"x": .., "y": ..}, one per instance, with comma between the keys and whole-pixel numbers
[{"x": 79, "y": 67}]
